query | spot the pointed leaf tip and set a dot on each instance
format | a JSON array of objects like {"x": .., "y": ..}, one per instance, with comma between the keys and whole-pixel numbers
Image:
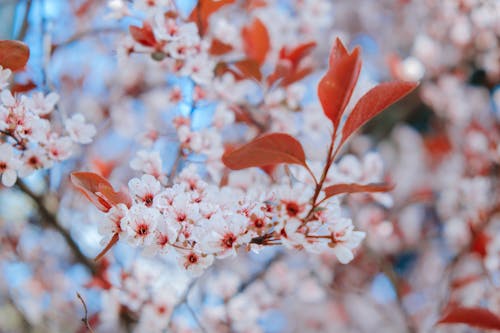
[
  {"x": 472, "y": 316},
  {"x": 337, "y": 85},
  {"x": 373, "y": 102}
]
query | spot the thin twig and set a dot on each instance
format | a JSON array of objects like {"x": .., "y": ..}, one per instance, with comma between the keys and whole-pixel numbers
[
  {"x": 24, "y": 27},
  {"x": 195, "y": 317},
  {"x": 85, "y": 319},
  {"x": 388, "y": 269},
  {"x": 259, "y": 274},
  {"x": 87, "y": 33}
]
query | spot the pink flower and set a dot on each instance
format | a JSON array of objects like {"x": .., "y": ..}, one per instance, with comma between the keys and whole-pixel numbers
[
  {"x": 140, "y": 224},
  {"x": 59, "y": 148},
  {"x": 145, "y": 189},
  {"x": 147, "y": 162},
  {"x": 78, "y": 130},
  {"x": 345, "y": 239},
  {"x": 40, "y": 104},
  {"x": 33, "y": 159},
  {"x": 4, "y": 77},
  {"x": 112, "y": 222},
  {"x": 165, "y": 234},
  {"x": 9, "y": 165},
  {"x": 196, "y": 263},
  {"x": 222, "y": 235}
]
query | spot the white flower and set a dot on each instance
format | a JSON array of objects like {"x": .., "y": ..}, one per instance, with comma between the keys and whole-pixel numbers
[
  {"x": 145, "y": 189},
  {"x": 8, "y": 99},
  {"x": 165, "y": 234},
  {"x": 200, "y": 68},
  {"x": 4, "y": 77},
  {"x": 40, "y": 104},
  {"x": 294, "y": 201},
  {"x": 345, "y": 239},
  {"x": 140, "y": 224},
  {"x": 147, "y": 162},
  {"x": 59, "y": 148},
  {"x": 9, "y": 165},
  {"x": 78, "y": 130},
  {"x": 112, "y": 222},
  {"x": 33, "y": 159},
  {"x": 196, "y": 263},
  {"x": 222, "y": 235}
]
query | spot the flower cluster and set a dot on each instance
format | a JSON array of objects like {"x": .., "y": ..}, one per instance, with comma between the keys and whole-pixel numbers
[
  {"x": 200, "y": 221},
  {"x": 29, "y": 141}
]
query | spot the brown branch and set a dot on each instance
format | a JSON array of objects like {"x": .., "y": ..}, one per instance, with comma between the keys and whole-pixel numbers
[
  {"x": 195, "y": 317},
  {"x": 388, "y": 269},
  {"x": 85, "y": 319},
  {"x": 259, "y": 274},
  {"x": 83, "y": 34},
  {"x": 25, "y": 24},
  {"x": 51, "y": 220}
]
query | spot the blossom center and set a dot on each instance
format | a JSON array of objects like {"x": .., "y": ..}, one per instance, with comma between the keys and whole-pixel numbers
[
  {"x": 292, "y": 208},
  {"x": 142, "y": 229},
  {"x": 228, "y": 240}
]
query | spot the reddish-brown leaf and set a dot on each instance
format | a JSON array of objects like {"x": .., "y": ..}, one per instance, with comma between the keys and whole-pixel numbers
[
  {"x": 202, "y": 12},
  {"x": 84, "y": 7},
  {"x": 22, "y": 87},
  {"x": 298, "y": 53},
  {"x": 98, "y": 190},
  {"x": 13, "y": 54},
  {"x": 108, "y": 247},
  {"x": 266, "y": 150},
  {"x": 465, "y": 281},
  {"x": 248, "y": 69},
  {"x": 254, "y": 4},
  {"x": 144, "y": 35},
  {"x": 472, "y": 316},
  {"x": 241, "y": 70},
  {"x": 219, "y": 48},
  {"x": 374, "y": 102},
  {"x": 338, "y": 52},
  {"x": 336, "y": 189},
  {"x": 296, "y": 76},
  {"x": 336, "y": 87},
  {"x": 480, "y": 244},
  {"x": 256, "y": 41},
  {"x": 288, "y": 68}
]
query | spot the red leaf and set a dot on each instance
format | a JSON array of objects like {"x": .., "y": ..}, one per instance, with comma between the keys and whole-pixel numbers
[
  {"x": 298, "y": 53},
  {"x": 338, "y": 52},
  {"x": 266, "y": 150},
  {"x": 374, "y": 102},
  {"x": 108, "y": 247},
  {"x": 241, "y": 70},
  {"x": 336, "y": 87},
  {"x": 256, "y": 41},
  {"x": 13, "y": 54},
  {"x": 296, "y": 76},
  {"x": 480, "y": 244},
  {"x": 219, "y": 48},
  {"x": 144, "y": 35},
  {"x": 332, "y": 190},
  {"x": 23, "y": 87},
  {"x": 205, "y": 8},
  {"x": 476, "y": 317},
  {"x": 288, "y": 68},
  {"x": 248, "y": 69},
  {"x": 98, "y": 190},
  {"x": 462, "y": 282}
]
